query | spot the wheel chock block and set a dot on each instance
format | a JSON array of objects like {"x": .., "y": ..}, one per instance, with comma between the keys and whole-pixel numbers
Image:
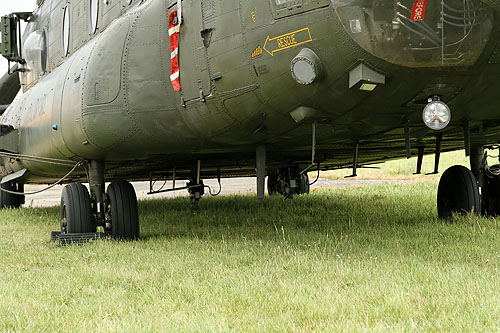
[{"x": 66, "y": 239}]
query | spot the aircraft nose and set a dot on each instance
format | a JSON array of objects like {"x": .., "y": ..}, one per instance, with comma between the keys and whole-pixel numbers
[{"x": 419, "y": 33}]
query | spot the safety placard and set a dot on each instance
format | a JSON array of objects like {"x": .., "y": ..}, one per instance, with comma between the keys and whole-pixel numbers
[
  {"x": 286, "y": 41},
  {"x": 418, "y": 12}
]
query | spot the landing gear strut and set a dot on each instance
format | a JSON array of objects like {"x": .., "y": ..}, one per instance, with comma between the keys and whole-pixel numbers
[
  {"x": 115, "y": 211},
  {"x": 196, "y": 191},
  {"x": 288, "y": 181}
]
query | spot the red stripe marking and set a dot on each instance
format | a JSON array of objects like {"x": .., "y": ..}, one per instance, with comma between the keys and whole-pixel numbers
[
  {"x": 418, "y": 12},
  {"x": 174, "y": 44}
]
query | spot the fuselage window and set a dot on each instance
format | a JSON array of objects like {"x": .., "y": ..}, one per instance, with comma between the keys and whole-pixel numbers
[
  {"x": 94, "y": 14},
  {"x": 35, "y": 52},
  {"x": 66, "y": 31}
]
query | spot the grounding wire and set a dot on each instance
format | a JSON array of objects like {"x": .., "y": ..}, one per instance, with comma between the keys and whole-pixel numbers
[
  {"x": 48, "y": 187},
  {"x": 37, "y": 159},
  {"x": 210, "y": 189},
  {"x": 317, "y": 178}
]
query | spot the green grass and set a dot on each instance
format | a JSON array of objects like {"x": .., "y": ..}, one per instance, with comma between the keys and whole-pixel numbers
[{"x": 357, "y": 259}]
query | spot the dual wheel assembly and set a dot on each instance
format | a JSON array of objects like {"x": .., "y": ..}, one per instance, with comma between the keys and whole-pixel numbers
[
  {"x": 459, "y": 193},
  {"x": 121, "y": 217},
  {"x": 288, "y": 186}
]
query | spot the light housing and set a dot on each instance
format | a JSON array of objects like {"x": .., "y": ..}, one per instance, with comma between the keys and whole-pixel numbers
[
  {"x": 363, "y": 77},
  {"x": 436, "y": 115},
  {"x": 306, "y": 67}
]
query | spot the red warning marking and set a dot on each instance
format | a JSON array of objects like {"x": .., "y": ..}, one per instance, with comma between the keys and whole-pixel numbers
[
  {"x": 173, "y": 32},
  {"x": 418, "y": 12}
]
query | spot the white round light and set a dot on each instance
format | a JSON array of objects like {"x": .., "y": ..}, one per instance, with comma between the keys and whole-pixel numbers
[
  {"x": 436, "y": 115},
  {"x": 303, "y": 70},
  {"x": 306, "y": 67}
]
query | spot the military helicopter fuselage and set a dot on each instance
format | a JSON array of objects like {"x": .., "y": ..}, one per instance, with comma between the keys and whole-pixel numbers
[{"x": 288, "y": 78}]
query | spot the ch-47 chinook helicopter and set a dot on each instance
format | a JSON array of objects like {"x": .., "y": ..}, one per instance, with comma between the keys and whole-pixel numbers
[{"x": 121, "y": 90}]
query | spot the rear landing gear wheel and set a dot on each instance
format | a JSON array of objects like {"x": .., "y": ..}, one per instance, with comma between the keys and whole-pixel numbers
[
  {"x": 76, "y": 214},
  {"x": 196, "y": 191},
  {"x": 9, "y": 199},
  {"x": 273, "y": 184},
  {"x": 458, "y": 192},
  {"x": 122, "y": 210},
  {"x": 304, "y": 187}
]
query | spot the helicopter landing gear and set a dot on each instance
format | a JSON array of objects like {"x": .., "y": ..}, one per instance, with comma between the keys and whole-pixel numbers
[
  {"x": 304, "y": 186},
  {"x": 122, "y": 216},
  {"x": 273, "y": 185},
  {"x": 288, "y": 182},
  {"x": 458, "y": 192},
  {"x": 464, "y": 191},
  {"x": 76, "y": 214},
  {"x": 196, "y": 191},
  {"x": 116, "y": 210},
  {"x": 489, "y": 182},
  {"x": 9, "y": 199}
]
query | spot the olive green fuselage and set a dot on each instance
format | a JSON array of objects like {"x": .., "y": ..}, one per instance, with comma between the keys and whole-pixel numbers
[{"x": 111, "y": 98}]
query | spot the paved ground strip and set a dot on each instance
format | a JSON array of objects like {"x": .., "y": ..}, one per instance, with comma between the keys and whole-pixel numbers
[{"x": 231, "y": 186}]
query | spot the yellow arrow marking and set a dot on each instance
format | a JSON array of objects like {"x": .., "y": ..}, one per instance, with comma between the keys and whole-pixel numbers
[{"x": 287, "y": 41}]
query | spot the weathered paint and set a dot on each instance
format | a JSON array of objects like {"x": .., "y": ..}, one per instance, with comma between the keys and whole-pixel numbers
[{"x": 111, "y": 97}]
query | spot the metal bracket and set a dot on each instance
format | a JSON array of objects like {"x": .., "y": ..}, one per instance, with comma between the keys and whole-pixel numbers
[
  {"x": 179, "y": 11},
  {"x": 10, "y": 29}
]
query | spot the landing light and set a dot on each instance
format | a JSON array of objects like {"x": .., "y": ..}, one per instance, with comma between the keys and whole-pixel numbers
[
  {"x": 436, "y": 115},
  {"x": 306, "y": 67}
]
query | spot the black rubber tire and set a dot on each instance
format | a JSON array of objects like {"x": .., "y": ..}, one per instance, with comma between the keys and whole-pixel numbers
[
  {"x": 11, "y": 200},
  {"x": 272, "y": 184},
  {"x": 304, "y": 187},
  {"x": 123, "y": 210},
  {"x": 458, "y": 192},
  {"x": 75, "y": 210}
]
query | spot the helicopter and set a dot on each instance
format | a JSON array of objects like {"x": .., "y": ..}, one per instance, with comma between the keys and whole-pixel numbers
[{"x": 114, "y": 91}]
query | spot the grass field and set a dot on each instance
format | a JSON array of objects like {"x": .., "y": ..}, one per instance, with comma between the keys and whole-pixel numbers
[{"x": 355, "y": 259}]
